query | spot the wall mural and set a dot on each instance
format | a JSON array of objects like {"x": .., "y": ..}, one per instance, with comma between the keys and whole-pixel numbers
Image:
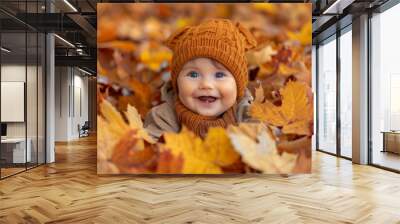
[{"x": 204, "y": 88}]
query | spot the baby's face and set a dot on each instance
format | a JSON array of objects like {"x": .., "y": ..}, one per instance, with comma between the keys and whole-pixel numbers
[{"x": 206, "y": 87}]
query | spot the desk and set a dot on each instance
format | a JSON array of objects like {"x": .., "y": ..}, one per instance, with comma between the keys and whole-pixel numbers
[
  {"x": 391, "y": 141},
  {"x": 16, "y": 147}
]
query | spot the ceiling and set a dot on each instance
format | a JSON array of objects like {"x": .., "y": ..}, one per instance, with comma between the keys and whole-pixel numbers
[{"x": 76, "y": 22}]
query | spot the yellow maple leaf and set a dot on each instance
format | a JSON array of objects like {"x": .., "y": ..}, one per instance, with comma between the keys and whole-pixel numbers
[
  {"x": 295, "y": 105},
  {"x": 127, "y": 139},
  {"x": 304, "y": 36},
  {"x": 266, "y": 7},
  {"x": 135, "y": 122},
  {"x": 302, "y": 127},
  {"x": 201, "y": 157},
  {"x": 268, "y": 112},
  {"x": 112, "y": 126},
  {"x": 295, "y": 113},
  {"x": 114, "y": 121},
  {"x": 218, "y": 146},
  {"x": 258, "y": 149},
  {"x": 155, "y": 57}
]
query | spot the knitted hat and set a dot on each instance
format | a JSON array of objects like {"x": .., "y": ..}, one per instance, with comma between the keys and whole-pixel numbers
[{"x": 218, "y": 39}]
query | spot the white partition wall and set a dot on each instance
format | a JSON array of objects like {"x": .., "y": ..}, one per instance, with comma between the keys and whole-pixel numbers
[{"x": 22, "y": 90}]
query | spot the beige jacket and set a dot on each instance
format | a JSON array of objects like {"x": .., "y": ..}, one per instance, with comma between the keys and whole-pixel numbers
[{"x": 162, "y": 118}]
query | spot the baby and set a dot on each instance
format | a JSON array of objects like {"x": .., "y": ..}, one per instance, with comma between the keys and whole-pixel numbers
[{"x": 209, "y": 77}]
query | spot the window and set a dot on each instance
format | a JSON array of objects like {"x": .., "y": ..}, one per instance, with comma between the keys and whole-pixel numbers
[
  {"x": 327, "y": 96},
  {"x": 385, "y": 89},
  {"x": 346, "y": 93}
]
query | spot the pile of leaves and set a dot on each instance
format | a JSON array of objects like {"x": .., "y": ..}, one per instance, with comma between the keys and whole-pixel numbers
[
  {"x": 125, "y": 147},
  {"x": 133, "y": 64}
]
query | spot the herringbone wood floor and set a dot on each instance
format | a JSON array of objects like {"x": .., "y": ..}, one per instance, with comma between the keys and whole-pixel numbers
[{"x": 69, "y": 191}]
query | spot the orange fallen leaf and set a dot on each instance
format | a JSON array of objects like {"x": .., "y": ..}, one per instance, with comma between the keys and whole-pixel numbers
[
  {"x": 129, "y": 156},
  {"x": 122, "y": 45},
  {"x": 106, "y": 31},
  {"x": 295, "y": 113},
  {"x": 168, "y": 163}
]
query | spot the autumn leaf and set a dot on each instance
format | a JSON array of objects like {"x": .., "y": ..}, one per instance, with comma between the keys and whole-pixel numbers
[
  {"x": 131, "y": 157},
  {"x": 114, "y": 120},
  {"x": 259, "y": 94},
  {"x": 302, "y": 147},
  {"x": 106, "y": 31},
  {"x": 144, "y": 93},
  {"x": 258, "y": 149},
  {"x": 287, "y": 70},
  {"x": 182, "y": 22},
  {"x": 295, "y": 113},
  {"x": 267, "y": 112},
  {"x": 219, "y": 147},
  {"x": 258, "y": 57},
  {"x": 153, "y": 58},
  {"x": 267, "y": 69},
  {"x": 123, "y": 142},
  {"x": 168, "y": 163},
  {"x": 304, "y": 36},
  {"x": 299, "y": 127},
  {"x": 200, "y": 156},
  {"x": 295, "y": 105},
  {"x": 268, "y": 8},
  {"x": 125, "y": 46},
  {"x": 135, "y": 122}
]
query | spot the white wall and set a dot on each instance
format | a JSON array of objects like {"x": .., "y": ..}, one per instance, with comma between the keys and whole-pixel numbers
[
  {"x": 61, "y": 103},
  {"x": 71, "y": 94},
  {"x": 33, "y": 127},
  {"x": 15, "y": 73}
]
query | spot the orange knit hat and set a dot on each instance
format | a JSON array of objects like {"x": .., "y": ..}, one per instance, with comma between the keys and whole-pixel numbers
[{"x": 218, "y": 39}]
